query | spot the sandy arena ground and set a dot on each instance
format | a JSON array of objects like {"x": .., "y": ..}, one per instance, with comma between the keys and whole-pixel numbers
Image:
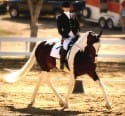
[{"x": 15, "y": 97}]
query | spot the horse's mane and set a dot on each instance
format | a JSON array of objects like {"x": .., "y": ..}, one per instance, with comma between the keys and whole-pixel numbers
[{"x": 82, "y": 41}]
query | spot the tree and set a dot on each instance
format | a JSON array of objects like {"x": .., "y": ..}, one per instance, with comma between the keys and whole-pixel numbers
[{"x": 35, "y": 7}]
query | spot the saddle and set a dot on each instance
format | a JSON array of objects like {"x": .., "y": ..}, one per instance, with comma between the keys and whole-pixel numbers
[{"x": 55, "y": 51}]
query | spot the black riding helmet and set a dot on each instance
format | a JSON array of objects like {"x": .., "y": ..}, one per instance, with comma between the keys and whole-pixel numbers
[{"x": 65, "y": 5}]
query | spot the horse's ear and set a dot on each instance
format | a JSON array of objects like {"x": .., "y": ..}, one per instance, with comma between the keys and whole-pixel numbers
[{"x": 100, "y": 33}]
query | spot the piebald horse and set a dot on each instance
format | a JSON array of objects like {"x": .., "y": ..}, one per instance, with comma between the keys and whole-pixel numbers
[{"x": 81, "y": 59}]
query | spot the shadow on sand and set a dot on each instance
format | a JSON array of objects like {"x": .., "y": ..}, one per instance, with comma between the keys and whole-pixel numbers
[{"x": 29, "y": 111}]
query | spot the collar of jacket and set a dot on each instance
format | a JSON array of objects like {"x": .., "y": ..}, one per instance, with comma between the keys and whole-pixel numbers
[{"x": 67, "y": 14}]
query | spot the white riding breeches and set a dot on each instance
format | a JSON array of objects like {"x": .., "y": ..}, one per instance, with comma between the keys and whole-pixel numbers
[{"x": 66, "y": 42}]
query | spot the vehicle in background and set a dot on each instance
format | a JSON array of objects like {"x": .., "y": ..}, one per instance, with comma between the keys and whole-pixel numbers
[
  {"x": 3, "y": 6},
  {"x": 19, "y": 7},
  {"x": 104, "y": 12}
]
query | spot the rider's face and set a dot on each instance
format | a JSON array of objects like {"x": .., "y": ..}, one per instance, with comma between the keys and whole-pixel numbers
[{"x": 66, "y": 9}]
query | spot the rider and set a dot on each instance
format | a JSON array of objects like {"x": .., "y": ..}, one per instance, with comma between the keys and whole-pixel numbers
[{"x": 68, "y": 28}]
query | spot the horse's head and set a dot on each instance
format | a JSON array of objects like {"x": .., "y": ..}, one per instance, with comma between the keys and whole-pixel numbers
[
  {"x": 93, "y": 42},
  {"x": 92, "y": 37},
  {"x": 88, "y": 39}
]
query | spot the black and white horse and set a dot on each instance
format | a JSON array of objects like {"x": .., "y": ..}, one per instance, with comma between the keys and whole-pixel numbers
[{"x": 81, "y": 60}]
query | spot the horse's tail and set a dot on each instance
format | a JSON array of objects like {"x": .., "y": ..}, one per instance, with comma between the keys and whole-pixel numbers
[{"x": 14, "y": 76}]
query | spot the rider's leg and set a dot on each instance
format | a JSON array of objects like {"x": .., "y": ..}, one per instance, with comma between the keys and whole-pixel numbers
[
  {"x": 62, "y": 58},
  {"x": 63, "y": 52}
]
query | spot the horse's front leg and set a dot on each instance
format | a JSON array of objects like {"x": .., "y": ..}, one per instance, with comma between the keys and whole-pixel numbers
[
  {"x": 96, "y": 78},
  {"x": 70, "y": 89},
  {"x": 108, "y": 105}
]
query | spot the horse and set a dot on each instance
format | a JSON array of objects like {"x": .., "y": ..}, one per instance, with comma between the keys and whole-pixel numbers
[{"x": 81, "y": 59}]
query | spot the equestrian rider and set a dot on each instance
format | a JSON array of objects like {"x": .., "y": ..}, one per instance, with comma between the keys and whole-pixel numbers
[{"x": 68, "y": 28}]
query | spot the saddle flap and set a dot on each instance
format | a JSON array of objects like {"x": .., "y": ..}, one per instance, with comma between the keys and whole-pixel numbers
[{"x": 55, "y": 52}]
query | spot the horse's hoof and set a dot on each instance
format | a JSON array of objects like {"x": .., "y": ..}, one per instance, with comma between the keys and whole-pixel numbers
[
  {"x": 108, "y": 106},
  {"x": 61, "y": 103},
  {"x": 65, "y": 107},
  {"x": 30, "y": 105}
]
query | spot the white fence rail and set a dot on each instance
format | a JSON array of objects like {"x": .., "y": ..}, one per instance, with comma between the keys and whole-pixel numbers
[
  {"x": 26, "y": 41},
  {"x": 24, "y": 52}
]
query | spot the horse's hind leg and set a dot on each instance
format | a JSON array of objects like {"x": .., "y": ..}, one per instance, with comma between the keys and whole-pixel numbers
[
  {"x": 35, "y": 91},
  {"x": 61, "y": 101},
  {"x": 70, "y": 88},
  {"x": 96, "y": 78}
]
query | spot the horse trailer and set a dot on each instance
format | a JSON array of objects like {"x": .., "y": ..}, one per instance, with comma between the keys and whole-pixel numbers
[{"x": 104, "y": 12}]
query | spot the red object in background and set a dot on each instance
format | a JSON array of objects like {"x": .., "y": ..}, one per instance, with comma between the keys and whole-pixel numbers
[
  {"x": 95, "y": 3},
  {"x": 113, "y": 6},
  {"x": 123, "y": 3}
]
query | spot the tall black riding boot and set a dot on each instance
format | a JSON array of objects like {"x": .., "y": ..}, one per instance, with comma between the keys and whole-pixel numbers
[{"x": 62, "y": 58}]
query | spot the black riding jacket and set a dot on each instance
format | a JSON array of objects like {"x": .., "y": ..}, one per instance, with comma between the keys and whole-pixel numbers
[{"x": 65, "y": 25}]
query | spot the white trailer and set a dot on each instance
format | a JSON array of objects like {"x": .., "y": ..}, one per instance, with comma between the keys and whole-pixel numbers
[{"x": 104, "y": 12}]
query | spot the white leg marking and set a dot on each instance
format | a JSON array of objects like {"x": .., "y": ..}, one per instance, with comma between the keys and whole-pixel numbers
[
  {"x": 70, "y": 89},
  {"x": 49, "y": 83},
  {"x": 36, "y": 90},
  {"x": 104, "y": 93}
]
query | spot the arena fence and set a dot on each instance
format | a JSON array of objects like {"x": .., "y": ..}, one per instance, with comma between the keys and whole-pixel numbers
[{"x": 5, "y": 50}]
